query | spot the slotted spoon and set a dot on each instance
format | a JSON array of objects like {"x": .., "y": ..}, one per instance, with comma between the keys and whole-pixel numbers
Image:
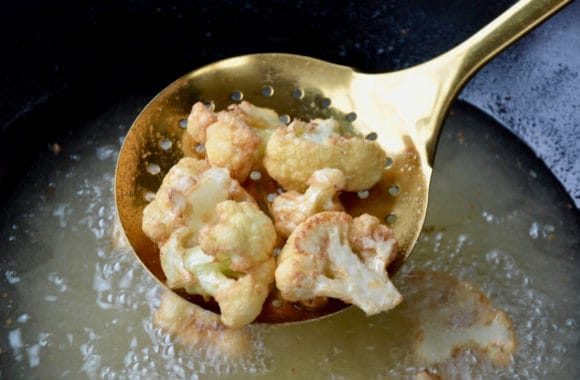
[{"x": 402, "y": 110}]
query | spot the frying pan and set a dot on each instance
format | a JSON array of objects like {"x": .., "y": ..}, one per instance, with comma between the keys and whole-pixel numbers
[{"x": 68, "y": 66}]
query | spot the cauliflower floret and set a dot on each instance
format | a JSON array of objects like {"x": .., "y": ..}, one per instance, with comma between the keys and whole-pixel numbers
[
  {"x": 292, "y": 208},
  {"x": 199, "y": 119},
  {"x": 241, "y": 302},
  {"x": 187, "y": 197},
  {"x": 213, "y": 239},
  {"x": 163, "y": 214},
  {"x": 244, "y": 236},
  {"x": 455, "y": 316},
  {"x": 318, "y": 260},
  {"x": 294, "y": 153},
  {"x": 264, "y": 121},
  {"x": 235, "y": 138},
  {"x": 257, "y": 117},
  {"x": 374, "y": 242},
  {"x": 194, "y": 326},
  {"x": 231, "y": 261},
  {"x": 231, "y": 144}
]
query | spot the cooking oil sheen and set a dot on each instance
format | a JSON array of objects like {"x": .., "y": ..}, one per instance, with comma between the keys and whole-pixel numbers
[{"x": 74, "y": 306}]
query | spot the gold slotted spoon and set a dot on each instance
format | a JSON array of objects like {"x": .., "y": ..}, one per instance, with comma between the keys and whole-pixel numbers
[{"x": 403, "y": 111}]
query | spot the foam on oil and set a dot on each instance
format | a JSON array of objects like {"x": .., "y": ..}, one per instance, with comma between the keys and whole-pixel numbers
[{"x": 74, "y": 306}]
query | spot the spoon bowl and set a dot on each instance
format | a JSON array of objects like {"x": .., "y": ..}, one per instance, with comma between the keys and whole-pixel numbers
[{"x": 403, "y": 111}]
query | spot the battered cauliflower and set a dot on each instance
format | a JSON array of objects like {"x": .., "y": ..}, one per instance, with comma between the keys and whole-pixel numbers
[
  {"x": 187, "y": 197},
  {"x": 231, "y": 144},
  {"x": 294, "y": 153},
  {"x": 455, "y": 316},
  {"x": 199, "y": 119},
  {"x": 213, "y": 239},
  {"x": 243, "y": 237},
  {"x": 292, "y": 208},
  {"x": 232, "y": 261},
  {"x": 264, "y": 121},
  {"x": 234, "y": 138},
  {"x": 196, "y": 327},
  {"x": 333, "y": 255}
]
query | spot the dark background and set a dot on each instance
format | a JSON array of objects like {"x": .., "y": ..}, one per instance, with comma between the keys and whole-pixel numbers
[{"x": 63, "y": 61}]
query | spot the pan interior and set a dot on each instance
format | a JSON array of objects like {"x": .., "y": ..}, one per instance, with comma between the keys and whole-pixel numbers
[{"x": 73, "y": 306}]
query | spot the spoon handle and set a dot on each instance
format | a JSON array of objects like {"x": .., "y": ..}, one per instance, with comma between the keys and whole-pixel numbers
[
  {"x": 516, "y": 21},
  {"x": 457, "y": 66}
]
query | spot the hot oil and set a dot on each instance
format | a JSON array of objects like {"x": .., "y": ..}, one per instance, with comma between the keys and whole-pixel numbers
[{"x": 75, "y": 307}]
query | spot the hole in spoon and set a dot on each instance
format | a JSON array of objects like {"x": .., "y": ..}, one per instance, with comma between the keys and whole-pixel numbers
[
  {"x": 391, "y": 218},
  {"x": 363, "y": 194},
  {"x": 237, "y": 95},
  {"x": 149, "y": 196},
  {"x": 285, "y": 119},
  {"x": 166, "y": 144},
  {"x": 351, "y": 117},
  {"x": 371, "y": 136},
  {"x": 183, "y": 123},
  {"x": 388, "y": 162},
  {"x": 199, "y": 148},
  {"x": 325, "y": 103},
  {"x": 267, "y": 91},
  {"x": 153, "y": 169},
  {"x": 298, "y": 94},
  {"x": 255, "y": 175},
  {"x": 394, "y": 190}
]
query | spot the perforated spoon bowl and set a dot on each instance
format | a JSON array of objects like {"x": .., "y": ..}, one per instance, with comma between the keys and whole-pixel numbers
[{"x": 402, "y": 110}]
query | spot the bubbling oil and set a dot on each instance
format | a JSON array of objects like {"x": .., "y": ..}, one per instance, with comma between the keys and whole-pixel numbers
[{"x": 76, "y": 307}]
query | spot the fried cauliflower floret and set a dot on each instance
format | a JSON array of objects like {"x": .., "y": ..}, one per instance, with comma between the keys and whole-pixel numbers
[
  {"x": 187, "y": 197},
  {"x": 325, "y": 257},
  {"x": 164, "y": 213},
  {"x": 234, "y": 138},
  {"x": 264, "y": 121},
  {"x": 193, "y": 326},
  {"x": 231, "y": 260},
  {"x": 199, "y": 119},
  {"x": 256, "y": 117},
  {"x": 244, "y": 236},
  {"x": 241, "y": 301},
  {"x": 292, "y": 208},
  {"x": 455, "y": 316},
  {"x": 231, "y": 144},
  {"x": 294, "y": 153}
]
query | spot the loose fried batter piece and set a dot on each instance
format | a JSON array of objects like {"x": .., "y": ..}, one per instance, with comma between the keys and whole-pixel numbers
[
  {"x": 195, "y": 327},
  {"x": 454, "y": 316}
]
